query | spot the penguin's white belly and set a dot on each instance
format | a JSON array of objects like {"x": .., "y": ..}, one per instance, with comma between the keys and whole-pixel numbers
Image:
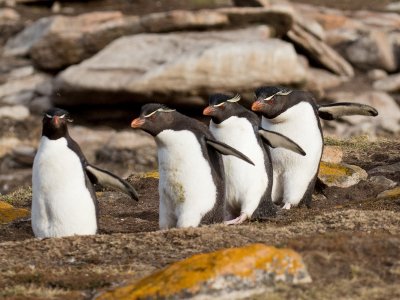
[
  {"x": 300, "y": 124},
  {"x": 245, "y": 183},
  {"x": 61, "y": 204},
  {"x": 186, "y": 187}
]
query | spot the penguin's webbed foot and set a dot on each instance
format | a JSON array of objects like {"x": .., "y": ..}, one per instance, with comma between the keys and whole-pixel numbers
[
  {"x": 238, "y": 220},
  {"x": 287, "y": 206}
]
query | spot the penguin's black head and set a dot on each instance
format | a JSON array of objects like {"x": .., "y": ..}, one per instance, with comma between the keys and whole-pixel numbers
[
  {"x": 222, "y": 107},
  {"x": 154, "y": 118},
  {"x": 55, "y": 123},
  {"x": 272, "y": 101}
]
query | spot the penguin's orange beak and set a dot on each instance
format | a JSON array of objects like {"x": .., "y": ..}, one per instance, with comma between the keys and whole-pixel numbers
[
  {"x": 56, "y": 121},
  {"x": 208, "y": 111},
  {"x": 137, "y": 123},
  {"x": 257, "y": 106}
]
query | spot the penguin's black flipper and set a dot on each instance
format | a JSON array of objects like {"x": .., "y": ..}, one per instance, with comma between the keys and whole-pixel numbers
[
  {"x": 275, "y": 140},
  {"x": 336, "y": 110},
  {"x": 106, "y": 178},
  {"x": 227, "y": 150}
]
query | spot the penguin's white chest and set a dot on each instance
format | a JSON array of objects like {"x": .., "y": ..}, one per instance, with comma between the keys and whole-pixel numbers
[
  {"x": 293, "y": 172},
  {"x": 187, "y": 190},
  {"x": 61, "y": 204},
  {"x": 300, "y": 124},
  {"x": 245, "y": 183}
]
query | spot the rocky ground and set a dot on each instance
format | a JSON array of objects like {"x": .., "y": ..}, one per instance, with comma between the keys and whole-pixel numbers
[{"x": 349, "y": 239}]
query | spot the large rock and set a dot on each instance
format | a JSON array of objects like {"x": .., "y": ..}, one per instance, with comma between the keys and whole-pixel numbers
[
  {"x": 57, "y": 42},
  {"x": 309, "y": 35},
  {"x": 230, "y": 273},
  {"x": 372, "y": 50},
  {"x": 180, "y": 68},
  {"x": 319, "y": 51}
]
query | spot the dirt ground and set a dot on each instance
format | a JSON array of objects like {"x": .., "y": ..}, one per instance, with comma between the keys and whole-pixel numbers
[{"x": 349, "y": 241}]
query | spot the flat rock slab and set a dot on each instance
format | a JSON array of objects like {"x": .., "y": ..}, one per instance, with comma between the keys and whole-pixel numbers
[
  {"x": 9, "y": 213},
  {"x": 340, "y": 175},
  {"x": 228, "y": 271},
  {"x": 180, "y": 68}
]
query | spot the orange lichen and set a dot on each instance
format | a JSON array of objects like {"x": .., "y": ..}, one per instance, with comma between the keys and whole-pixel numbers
[
  {"x": 190, "y": 274},
  {"x": 9, "y": 213}
]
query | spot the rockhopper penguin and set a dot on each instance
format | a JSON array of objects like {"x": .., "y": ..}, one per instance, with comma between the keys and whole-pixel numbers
[
  {"x": 295, "y": 114},
  {"x": 248, "y": 188},
  {"x": 63, "y": 199},
  {"x": 191, "y": 186}
]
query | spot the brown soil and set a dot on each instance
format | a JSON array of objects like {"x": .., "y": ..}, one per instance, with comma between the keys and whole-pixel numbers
[{"x": 349, "y": 241}]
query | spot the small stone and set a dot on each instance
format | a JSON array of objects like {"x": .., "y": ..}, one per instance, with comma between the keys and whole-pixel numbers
[
  {"x": 250, "y": 269},
  {"x": 341, "y": 175},
  {"x": 393, "y": 193},
  {"x": 9, "y": 15},
  {"x": 332, "y": 154},
  {"x": 9, "y": 213},
  {"x": 377, "y": 74},
  {"x": 16, "y": 112},
  {"x": 388, "y": 84},
  {"x": 382, "y": 181},
  {"x": 386, "y": 170}
]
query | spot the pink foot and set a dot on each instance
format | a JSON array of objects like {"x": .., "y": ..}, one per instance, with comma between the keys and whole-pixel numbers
[
  {"x": 287, "y": 206},
  {"x": 238, "y": 220}
]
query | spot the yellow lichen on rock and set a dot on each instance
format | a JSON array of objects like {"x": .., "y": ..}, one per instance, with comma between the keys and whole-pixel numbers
[
  {"x": 9, "y": 213},
  {"x": 340, "y": 175},
  {"x": 231, "y": 267},
  {"x": 151, "y": 174}
]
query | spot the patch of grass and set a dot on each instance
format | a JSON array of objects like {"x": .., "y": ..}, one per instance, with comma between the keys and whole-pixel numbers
[
  {"x": 22, "y": 197},
  {"x": 32, "y": 291},
  {"x": 361, "y": 142}
]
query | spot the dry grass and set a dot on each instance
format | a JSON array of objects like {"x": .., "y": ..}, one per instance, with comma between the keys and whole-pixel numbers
[
  {"x": 22, "y": 197},
  {"x": 32, "y": 291}
]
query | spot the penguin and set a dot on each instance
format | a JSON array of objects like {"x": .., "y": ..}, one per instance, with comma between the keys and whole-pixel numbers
[
  {"x": 63, "y": 199},
  {"x": 191, "y": 187},
  {"x": 248, "y": 188},
  {"x": 295, "y": 114}
]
